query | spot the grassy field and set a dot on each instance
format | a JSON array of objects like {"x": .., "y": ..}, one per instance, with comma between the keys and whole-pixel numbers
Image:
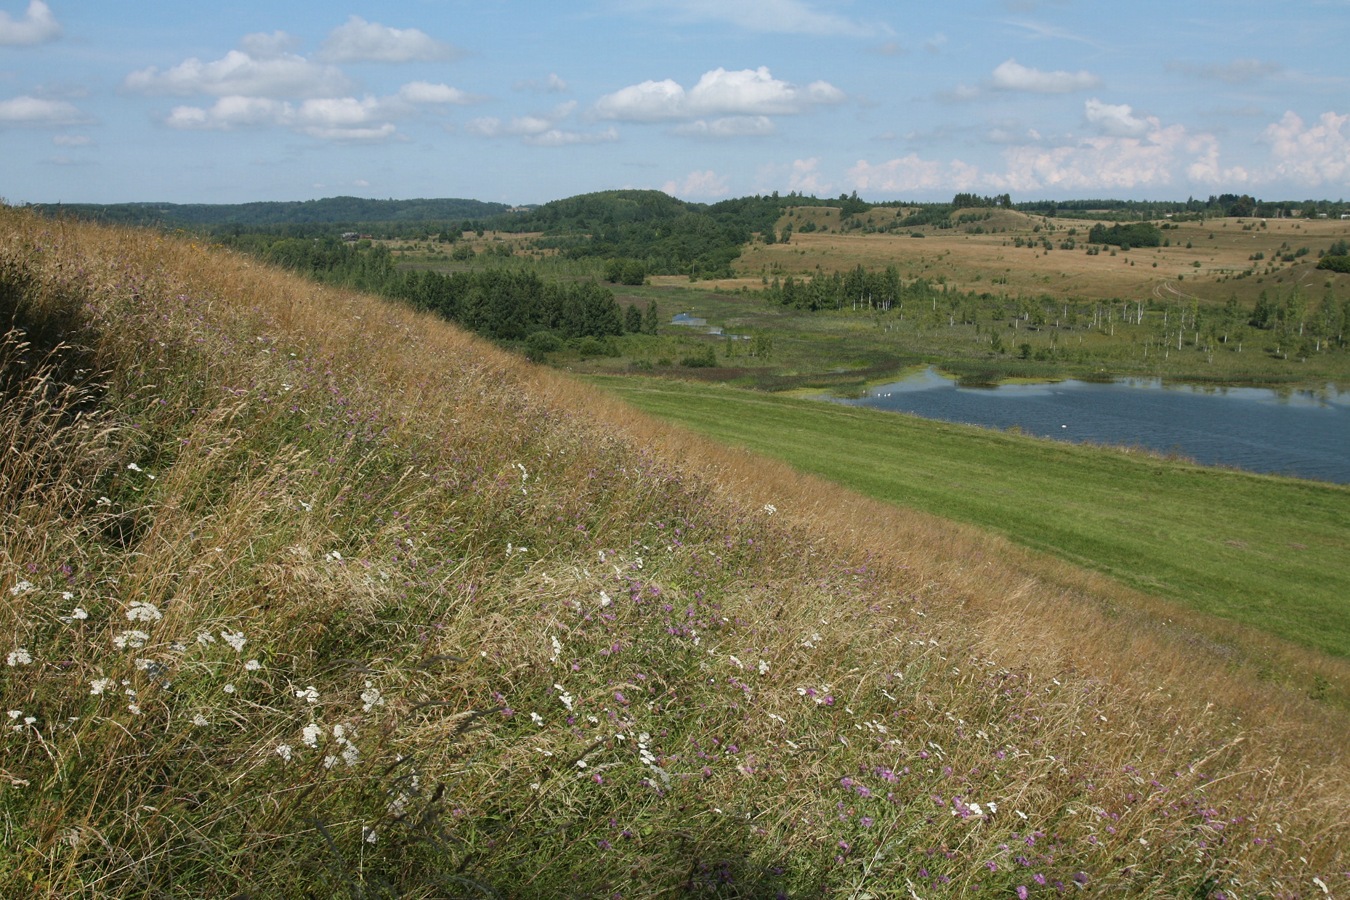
[
  {"x": 306, "y": 594},
  {"x": 1108, "y": 313},
  {"x": 1267, "y": 552}
]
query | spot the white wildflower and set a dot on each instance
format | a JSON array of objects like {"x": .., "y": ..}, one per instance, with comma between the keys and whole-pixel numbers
[
  {"x": 310, "y": 734},
  {"x": 340, "y": 732},
  {"x": 235, "y": 639},
  {"x": 135, "y": 639},
  {"x": 79, "y": 613},
  {"x": 284, "y": 751},
  {"x": 133, "y": 467},
  {"x": 205, "y": 638},
  {"x": 333, "y": 556},
  {"x": 770, "y": 508},
  {"x": 309, "y": 695},
  {"x": 15, "y": 713},
  {"x": 140, "y": 611},
  {"x": 99, "y": 685},
  {"x": 536, "y": 718},
  {"x": 350, "y": 755},
  {"x": 103, "y": 501},
  {"x": 19, "y": 656},
  {"x": 605, "y": 599},
  {"x": 229, "y": 689},
  {"x": 371, "y": 698},
  {"x": 200, "y": 720},
  {"x": 135, "y": 708},
  {"x": 557, "y": 647},
  {"x": 764, "y": 667},
  {"x": 20, "y": 587},
  {"x": 564, "y": 697},
  {"x": 252, "y": 665},
  {"x": 368, "y": 834}
]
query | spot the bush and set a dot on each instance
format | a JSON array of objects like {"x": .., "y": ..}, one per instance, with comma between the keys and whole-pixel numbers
[
  {"x": 705, "y": 359},
  {"x": 1335, "y": 264}
]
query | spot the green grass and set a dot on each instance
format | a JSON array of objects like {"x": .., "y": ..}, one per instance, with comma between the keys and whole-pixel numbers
[{"x": 1272, "y": 553}]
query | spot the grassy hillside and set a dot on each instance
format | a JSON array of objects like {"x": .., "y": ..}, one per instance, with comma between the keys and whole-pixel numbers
[
  {"x": 1271, "y": 553},
  {"x": 309, "y": 595}
]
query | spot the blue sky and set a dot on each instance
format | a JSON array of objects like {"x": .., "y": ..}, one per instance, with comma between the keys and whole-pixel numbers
[{"x": 525, "y": 102}]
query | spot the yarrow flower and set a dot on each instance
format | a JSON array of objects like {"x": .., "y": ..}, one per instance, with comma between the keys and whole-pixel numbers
[
  {"x": 99, "y": 685},
  {"x": 235, "y": 639},
  {"x": 309, "y": 695},
  {"x": 20, "y": 587},
  {"x": 284, "y": 751},
  {"x": 200, "y": 720},
  {"x": 371, "y": 698},
  {"x": 19, "y": 656},
  {"x": 140, "y": 611},
  {"x": 310, "y": 734},
  {"x": 134, "y": 639}
]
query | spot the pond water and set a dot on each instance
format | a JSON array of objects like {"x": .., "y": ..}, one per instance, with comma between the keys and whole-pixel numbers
[{"x": 1301, "y": 433}]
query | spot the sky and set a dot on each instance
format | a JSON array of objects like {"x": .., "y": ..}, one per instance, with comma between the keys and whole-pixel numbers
[{"x": 519, "y": 102}]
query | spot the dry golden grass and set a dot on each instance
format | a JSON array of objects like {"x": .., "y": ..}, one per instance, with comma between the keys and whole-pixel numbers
[{"x": 990, "y": 262}]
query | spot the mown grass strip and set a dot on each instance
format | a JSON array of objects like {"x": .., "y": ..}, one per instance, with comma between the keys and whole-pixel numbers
[{"x": 1272, "y": 553}]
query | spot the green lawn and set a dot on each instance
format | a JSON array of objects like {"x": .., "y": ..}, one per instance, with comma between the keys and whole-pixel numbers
[{"x": 1273, "y": 553}]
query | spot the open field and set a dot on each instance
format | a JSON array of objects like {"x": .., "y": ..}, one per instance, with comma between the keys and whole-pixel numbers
[
  {"x": 1270, "y": 553},
  {"x": 305, "y": 593}
]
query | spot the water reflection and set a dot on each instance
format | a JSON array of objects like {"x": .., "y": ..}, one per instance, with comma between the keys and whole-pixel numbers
[{"x": 1289, "y": 431}]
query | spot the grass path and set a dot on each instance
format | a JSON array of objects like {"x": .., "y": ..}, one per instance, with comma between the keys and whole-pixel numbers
[{"x": 1267, "y": 552}]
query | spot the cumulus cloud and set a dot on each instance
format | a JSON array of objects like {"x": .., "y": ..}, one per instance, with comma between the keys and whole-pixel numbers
[
  {"x": 806, "y": 177},
  {"x": 1115, "y": 119},
  {"x": 747, "y": 92},
  {"x": 540, "y": 130},
  {"x": 38, "y": 26},
  {"x": 27, "y": 110},
  {"x": 699, "y": 184},
  {"x": 763, "y": 16},
  {"x": 1013, "y": 76},
  {"x": 1312, "y": 155},
  {"x": 239, "y": 73},
  {"x": 362, "y": 41}
]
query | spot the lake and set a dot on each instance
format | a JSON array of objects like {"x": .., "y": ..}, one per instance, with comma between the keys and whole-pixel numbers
[{"x": 1301, "y": 433}]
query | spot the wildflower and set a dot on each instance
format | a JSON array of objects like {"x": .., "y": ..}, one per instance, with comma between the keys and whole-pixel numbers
[
  {"x": 368, "y": 834},
  {"x": 564, "y": 697},
  {"x": 229, "y": 689},
  {"x": 99, "y": 685},
  {"x": 350, "y": 755},
  {"x": 19, "y": 656},
  {"x": 605, "y": 599},
  {"x": 200, "y": 720},
  {"x": 770, "y": 508},
  {"x": 536, "y": 718},
  {"x": 79, "y": 614},
  {"x": 205, "y": 638},
  {"x": 135, "y": 708},
  {"x": 284, "y": 751},
  {"x": 235, "y": 639},
  {"x": 309, "y": 694},
  {"x": 763, "y": 667},
  {"x": 141, "y": 611},
  {"x": 252, "y": 665},
  {"x": 134, "y": 639},
  {"x": 310, "y": 734},
  {"x": 133, "y": 467},
  {"x": 371, "y": 698},
  {"x": 20, "y": 587},
  {"x": 1021, "y": 892}
]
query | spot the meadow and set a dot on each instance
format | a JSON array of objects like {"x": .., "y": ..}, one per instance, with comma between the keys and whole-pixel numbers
[
  {"x": 307, "y": 594},
  {"x": 1000, "y": 296}
]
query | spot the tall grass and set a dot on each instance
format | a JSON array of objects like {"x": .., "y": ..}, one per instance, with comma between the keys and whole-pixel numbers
[{"x": 308, "y": 595}]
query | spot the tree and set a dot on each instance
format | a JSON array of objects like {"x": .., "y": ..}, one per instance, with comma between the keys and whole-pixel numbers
[{"x": 650, "y": 318}]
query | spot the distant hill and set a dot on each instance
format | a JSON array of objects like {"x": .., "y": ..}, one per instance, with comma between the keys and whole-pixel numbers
[{"x": 328, "y": 211}]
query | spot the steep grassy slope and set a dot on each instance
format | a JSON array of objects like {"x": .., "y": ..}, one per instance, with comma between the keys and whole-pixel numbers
[{"x": 307, "y": 595}]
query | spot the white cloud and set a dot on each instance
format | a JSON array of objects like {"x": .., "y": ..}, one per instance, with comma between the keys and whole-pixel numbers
[
  {"x": 540, "y": 130},
  {"x": 747, "y": 92},
  {"x": 27, "y": 110},
  {"x": 699, "y": 184},
  {"x": 1116, "y": 119},
  {"x": 905, "y": 174},
  {"x": 764, "y": 16},
  {"x": 362, "y": 41},
  {"x": 267, "y": 46},
  {"x": 729, "y": 127},
  {"x": 1311, "y": 155},
  {"x": 240, "y": 74},
  {"x": 1013, "y": 76},
  {"x": 805, "y": 177},
  {"x": 38, "y": 26},
  {"x": 425, "y": 92}
]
